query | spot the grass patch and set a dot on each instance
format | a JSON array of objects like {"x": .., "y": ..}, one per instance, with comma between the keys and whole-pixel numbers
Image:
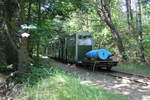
[
  {"x": 49, "y": 83},
  {"x": 63, "y": 87},
  {"x": 135, "y": 68}
]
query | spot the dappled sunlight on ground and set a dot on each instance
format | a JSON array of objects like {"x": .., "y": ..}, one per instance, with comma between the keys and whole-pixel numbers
[
  {"x": 137, "y": 91},
  {"x": 146, "y": 97},
  {"x": 134, "y": 90},
  {"x": 2, "y": 78},
  {"x": 2, "y": 81}
]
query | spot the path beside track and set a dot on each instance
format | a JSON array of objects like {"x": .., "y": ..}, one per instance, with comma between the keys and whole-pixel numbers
[
  {"x": 2, "y": 82},
  {"x": 135, "y": 91}
]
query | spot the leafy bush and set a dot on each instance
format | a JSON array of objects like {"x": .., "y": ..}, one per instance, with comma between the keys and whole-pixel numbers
[
  {"x": 2, "y": 57},
  {"x": 48, "y": 83},
  {"x": 60, "y": 86}
]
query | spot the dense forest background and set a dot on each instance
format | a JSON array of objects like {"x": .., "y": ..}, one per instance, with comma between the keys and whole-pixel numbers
[{"x": 28, "y": 27}]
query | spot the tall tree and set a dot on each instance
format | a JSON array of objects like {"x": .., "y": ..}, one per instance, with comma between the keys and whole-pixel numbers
[
  {"x": 103, "y": 9},
  {"x": 39, "y": 24},
  {"x": 129, "y": 15},
  {"x": 12, "y": 25},
  {"x": 9, "y": 30},
  {"x": 23, "y": 53},
  {"x": 139, "y": 30}
]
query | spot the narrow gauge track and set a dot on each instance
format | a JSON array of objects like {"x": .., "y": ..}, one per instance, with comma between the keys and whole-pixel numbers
[
  {"x": 137, "y": 78},
  {"x": 130, "y": 76},
  {"x": 127, "y": 76},
  {"x": 133, "y": 74},
  {"x": 100, "y": 78}
]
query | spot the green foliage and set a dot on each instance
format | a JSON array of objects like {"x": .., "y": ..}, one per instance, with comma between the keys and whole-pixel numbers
[
  {"x": 3, "y": 57},
  {"x": 34, "y": 74},
  {"x": 58, "y": 17},
  {"x": 62, "y": 87},
  {"x": 50, "y": 83},
  {"x": 81, "y": 21},
  {"x": 6, "y": 69},
  {"x": 135, "y": 68},
  {"x": 2, "y": 68},
  {"x": 43, "y": 19}
]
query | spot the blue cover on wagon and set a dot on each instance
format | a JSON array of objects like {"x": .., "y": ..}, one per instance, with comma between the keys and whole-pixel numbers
[{"x": 101, "y": 54}]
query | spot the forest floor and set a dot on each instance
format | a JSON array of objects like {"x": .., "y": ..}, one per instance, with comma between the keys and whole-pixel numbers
[
  {"x": 2, "y": 81},
  {"x": 98, "y": 79},
  {"x": 48, "y": 82},
  {"x": 2, "y": 78}
]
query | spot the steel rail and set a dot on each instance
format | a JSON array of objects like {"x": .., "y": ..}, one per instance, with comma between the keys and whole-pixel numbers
[
  {"x": 133, "y": 74},
  {"x": 131, "y": 77}
]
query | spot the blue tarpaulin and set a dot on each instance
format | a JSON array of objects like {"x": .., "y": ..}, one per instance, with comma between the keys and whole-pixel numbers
[{"x": 101, "y": 54}]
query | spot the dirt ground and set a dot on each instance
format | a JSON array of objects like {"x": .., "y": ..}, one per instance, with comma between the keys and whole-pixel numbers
[
  {"x": 2, "y": 81},
  {"x": 131, "y": 90},
  {"x": 2, "y": 78}
]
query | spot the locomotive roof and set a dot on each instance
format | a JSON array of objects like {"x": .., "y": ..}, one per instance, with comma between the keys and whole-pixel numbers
[
  {"x": 83, "y": 33},
  {"x": 79, "y": 33}
]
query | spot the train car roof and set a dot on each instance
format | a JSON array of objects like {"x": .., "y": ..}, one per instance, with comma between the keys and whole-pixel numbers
[
  {"x": 79, "y": 33},
  {"x": 83, "y": 33},
  {"x": 73, "y": 35}
]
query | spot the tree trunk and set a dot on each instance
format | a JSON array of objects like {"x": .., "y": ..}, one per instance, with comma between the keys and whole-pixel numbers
[
  {"x": 104, "y": 12},
  {"x": 29, "y": 19},
  {"x": 39, "y": 23},
  {"x": 23, "y": 56},
  {"x": 29, "y": 12},
  {"x": 8, "y": 30},
  {"x": 23, "y": 52},
  {"x": 118, "y": 39},
  {"x": 129, "y": 16},
  {"x": 139, "y": 31}
]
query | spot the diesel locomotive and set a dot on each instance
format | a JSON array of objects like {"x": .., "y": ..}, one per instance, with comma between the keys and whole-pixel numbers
[{"x": 79, "y": 49}]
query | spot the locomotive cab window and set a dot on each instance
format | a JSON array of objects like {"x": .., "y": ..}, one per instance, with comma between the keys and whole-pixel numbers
[
  {"x": 80, "y": 36},
  {"x": 85, "y": 40},
  {"x": 84, "y": 37}
]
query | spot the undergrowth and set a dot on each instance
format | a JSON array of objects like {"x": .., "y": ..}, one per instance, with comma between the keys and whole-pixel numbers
[
  {"x": 135, "y": 68},
  {"x": 49, "y": 83}
]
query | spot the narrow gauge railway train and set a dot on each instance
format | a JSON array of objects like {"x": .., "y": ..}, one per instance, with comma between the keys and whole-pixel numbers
[{"x": 79, "y": 49}]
